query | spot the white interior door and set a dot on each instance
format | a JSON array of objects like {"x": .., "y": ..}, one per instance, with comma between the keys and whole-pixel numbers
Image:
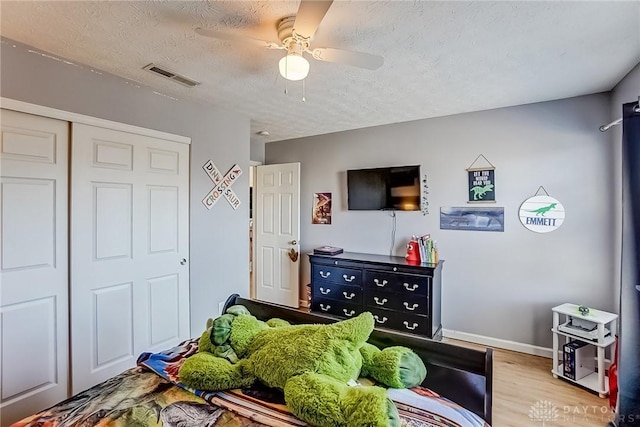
[
  {"x": 277, "y": 232},
  {"x": 129, "y": 250},
  {"x": 34, "y": 355}
]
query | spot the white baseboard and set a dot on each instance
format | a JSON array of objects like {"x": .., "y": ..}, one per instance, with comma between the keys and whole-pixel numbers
[{"x": 499, "y": 343}]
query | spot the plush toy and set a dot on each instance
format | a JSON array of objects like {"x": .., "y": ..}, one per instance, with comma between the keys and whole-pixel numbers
[{"x": 315, "y": 365}]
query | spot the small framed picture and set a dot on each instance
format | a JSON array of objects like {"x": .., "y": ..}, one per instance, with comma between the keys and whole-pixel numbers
[
  {"x": 321, "y": 208},
  {"x": 482, "y": 185}
]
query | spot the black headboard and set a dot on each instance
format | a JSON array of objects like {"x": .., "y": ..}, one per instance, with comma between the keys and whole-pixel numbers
[{"x": 461, "y": 374}]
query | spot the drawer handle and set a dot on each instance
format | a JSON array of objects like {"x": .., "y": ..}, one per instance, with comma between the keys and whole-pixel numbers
[
  {"x": 384, "y": 300},
  {"x": 412, "y": 327},
  {"x": 377, "y": 282},
  {"x": 348, "y": 279},
  {"x": 324, "y": 291},
  {"x": 325, "y": 275},
  {"x": 348, "y": 313},
  {"x": 413, "y": 307},
  {"x": 412, "y": 288},
  {"x": 384, "y": 319},
  {"x": 325, "y": 307},
  {"x": 349, "y": 296}
]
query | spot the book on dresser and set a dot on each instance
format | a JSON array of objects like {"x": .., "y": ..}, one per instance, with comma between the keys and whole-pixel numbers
[
  {"x": 328, "y": 250},
  {"x": 401, "y": 296}
]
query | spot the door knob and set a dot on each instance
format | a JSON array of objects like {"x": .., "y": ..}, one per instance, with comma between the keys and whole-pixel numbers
[
  {"x": 183, "y": 261},
  {"x": 294, "y": 242}
]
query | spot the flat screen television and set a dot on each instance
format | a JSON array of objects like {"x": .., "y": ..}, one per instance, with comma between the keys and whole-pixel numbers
[{"x": 393, "y": 188}]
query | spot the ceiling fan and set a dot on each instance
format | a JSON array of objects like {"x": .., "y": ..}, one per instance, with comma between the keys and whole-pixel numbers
[{"x": 295, "y": 33}]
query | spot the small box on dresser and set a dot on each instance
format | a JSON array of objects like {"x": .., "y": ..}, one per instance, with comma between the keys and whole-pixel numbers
[{"x": 401, "y": 296}]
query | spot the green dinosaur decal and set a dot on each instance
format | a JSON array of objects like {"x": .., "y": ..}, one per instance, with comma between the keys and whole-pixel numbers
[
  {"x": 480, "y": 191},
  {"x": 543, "y": 210}
]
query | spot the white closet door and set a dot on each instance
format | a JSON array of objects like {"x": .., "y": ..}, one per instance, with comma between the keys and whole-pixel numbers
[
  {"x": 129, "y": 250},
  {"x": 34, "y": 279}
]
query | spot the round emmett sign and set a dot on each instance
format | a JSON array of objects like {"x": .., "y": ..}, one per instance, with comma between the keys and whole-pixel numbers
[{"x": 541, "y": 214}]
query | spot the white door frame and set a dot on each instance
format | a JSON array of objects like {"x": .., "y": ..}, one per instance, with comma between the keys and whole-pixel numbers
[
  {"x": 54, "y": 113},
  {"x": 252, "y": 277}
]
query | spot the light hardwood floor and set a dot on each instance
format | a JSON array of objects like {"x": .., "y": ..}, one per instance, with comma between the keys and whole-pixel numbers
[{"x": 520, "y": 381}]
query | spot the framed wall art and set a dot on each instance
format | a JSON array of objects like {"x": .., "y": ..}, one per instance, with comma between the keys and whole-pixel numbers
[
  {"x": 482, "y": 186},
  {"x": 321, "y": 208}
]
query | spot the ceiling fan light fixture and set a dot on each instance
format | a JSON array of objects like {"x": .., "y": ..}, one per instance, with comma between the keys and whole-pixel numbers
[{"x": 293, "y": 67}]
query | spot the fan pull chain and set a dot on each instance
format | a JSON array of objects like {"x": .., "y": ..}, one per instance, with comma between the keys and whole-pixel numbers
[
  {"x": 304, "y": 98},
  {"x": 286, "y": 91}
]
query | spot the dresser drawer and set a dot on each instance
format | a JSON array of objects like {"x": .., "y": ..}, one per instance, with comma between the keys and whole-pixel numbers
[
  {"x": 339, "y": 292},
  {"x": 404, "y": 322},
  {"x": 327, "y": 274},
  {"x": 399, "y": 301},
  {"x": 393, "y": 282},
  {"x": 335, "y": 307}
]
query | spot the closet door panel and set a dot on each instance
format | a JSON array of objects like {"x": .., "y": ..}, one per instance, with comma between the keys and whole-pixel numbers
[
  {"x": 34, "y": 355},
  {"x": 163, "y": 219},
  {"x": 112, "y": 213},
  {"x": 129, "y": 216},
  {"x": 113, "y": 325},
  {"x": 28, "y": 244},
  {"x": 164, "y": 318}
]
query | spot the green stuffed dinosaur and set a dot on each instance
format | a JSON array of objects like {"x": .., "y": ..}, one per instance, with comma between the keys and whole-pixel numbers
[{"x": 313, "y": 364}]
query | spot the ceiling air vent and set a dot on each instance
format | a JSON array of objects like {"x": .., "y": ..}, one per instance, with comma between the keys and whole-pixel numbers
[{"x": 185, "y": 81}]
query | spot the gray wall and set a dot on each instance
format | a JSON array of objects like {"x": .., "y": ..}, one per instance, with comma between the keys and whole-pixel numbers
[
  {"x": 257, "y": 151},
  {"x": 219, "y": 238},
  {"x": 500, "y": 285},
  {"x": 628, "y": 90}
]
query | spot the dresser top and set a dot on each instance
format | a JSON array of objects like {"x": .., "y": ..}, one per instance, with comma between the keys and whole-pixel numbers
[{"x": 375, "y": 258}]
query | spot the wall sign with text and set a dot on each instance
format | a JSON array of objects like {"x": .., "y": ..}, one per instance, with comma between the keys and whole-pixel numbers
[
  {"x": 482, "y": 184},
  {"x": 541, "y": 214},
  {"x": 222, "y": 185}
]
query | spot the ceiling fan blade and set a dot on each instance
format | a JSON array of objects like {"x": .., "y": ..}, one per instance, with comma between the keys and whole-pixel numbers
[
  {"x": 309, "y": 16},
  {"x": 236, "y": 38},
  {"x": 356, "y": 59}
]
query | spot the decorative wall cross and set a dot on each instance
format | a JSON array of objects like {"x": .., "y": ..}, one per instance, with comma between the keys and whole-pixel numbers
[{"x": 222, "y": 185}]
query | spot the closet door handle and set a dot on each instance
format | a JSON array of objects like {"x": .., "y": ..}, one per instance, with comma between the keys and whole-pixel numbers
[
  {"x": 349, "y": 296},
  {"x": 183, "y": 261},
  {"x": 384, "y": 319},
  {"x": 325, "y": 307},
  {"x": 412, "y": 288},
  {"x": 413, "y": 306},
  {"x": 412, "y": 327},
  {"x": 325, "y": 275},
  {"x": 324, "y": 291},
  {"x": 377, "y": 300},
  {"x": 378, "y": 283}
]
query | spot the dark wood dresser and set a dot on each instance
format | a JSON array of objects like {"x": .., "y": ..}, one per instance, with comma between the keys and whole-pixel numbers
[{"x": 400, "y": 296}]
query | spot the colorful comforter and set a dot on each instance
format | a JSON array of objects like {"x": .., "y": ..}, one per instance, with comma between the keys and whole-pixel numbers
[{"x": 152, "y": 395}]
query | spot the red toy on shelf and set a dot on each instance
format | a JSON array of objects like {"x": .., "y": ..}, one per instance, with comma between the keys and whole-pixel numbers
[{"x": 413, "y": 252}]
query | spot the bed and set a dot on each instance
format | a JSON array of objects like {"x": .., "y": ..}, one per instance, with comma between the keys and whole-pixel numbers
[{"x": 456, "y": 392}]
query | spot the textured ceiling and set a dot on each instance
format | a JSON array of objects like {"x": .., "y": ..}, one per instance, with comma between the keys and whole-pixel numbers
[{"x": 441, "y": 58}]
